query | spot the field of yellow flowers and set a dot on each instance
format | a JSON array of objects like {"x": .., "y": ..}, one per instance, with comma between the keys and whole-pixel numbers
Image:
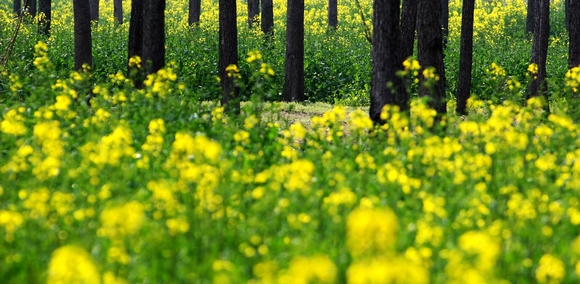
[{"x": 155, "y": 186}]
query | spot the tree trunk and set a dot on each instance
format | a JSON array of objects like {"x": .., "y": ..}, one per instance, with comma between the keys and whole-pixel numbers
[
  {"x": 445, "y": 21},
  {"x": 408, "y": 27},
  {"x": 118, "y": 11},
  {"x": 385, "y": 56},
  {"x": 567, "y": 14},
  {"x": 332, "y": 13},
  {"x": 530, "y": 17},
  {"x": 407, "y": 30},
  {"x": 153, "y": 35},
  {"x": 30, "y": 7},
  {"x": 294, "y": 79},
  {"x": 228, "y": 54},
  {"x": 430, "y": 50},
  {"x": 44, "y": 9},
  {"x": 82, "y": 34},
  {"x": 17, "y": 8},
  {"x": 540, "y": 50},
  {"x": 465, "y": 57},
  {"x": 194, "y": 12},
  {"x": 268, "y": 17},
  {"x": 135, "y": 44},
  {"x": 253, "y": 12},
  {"x": 94, "y": 4},
  {"x": 574, "y": 34}
]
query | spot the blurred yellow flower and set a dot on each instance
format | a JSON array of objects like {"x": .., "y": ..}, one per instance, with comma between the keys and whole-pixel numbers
[
  {"x": 371, "y": 232},
  {"x": 72, "y": 264},
  {"x": 550, "y": 269}
]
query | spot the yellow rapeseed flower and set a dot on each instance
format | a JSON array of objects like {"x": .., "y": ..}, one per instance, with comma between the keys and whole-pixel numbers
[{"x": 72, "y": 264}]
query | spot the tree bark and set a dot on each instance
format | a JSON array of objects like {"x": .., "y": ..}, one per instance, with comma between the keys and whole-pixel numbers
[
  {"x": 253, "y": 12},
  {"x": 153, "y": 35},
  {"x": 465, "y": 57},
  {"x": 540, "y": 50},
  {"x": 332, "y": 13},
  {"x": 118, "y": 11},
  {"x": 445, "y": 21},
  {"x": 268, "y": 18},
  {"x": 574, "y": 34},
  {"x": 44, "y": 9},
  {"x": 385, "y": 56},
  {"x": 94, "y": 4},
  {"x": 30, "y": 7},
  {"x": 17, "y": 8},
  {"x": 228, "y": 54},
  {"x": 430, "y": 50},
  {"x": 530, "y": 17},
  {"x": 135, "y": 45},
  {"x": 567, "y": 14},
  {"x": 82, "y": 34},
  {"x": 294, "y": 79},
  {"x": 194, "y": 12},
  {"x": 408, "y": 28}
]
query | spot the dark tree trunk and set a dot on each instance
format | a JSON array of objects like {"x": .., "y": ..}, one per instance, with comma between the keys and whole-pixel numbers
[
  {"x": 445, "y": 20},
  {"x": 44, "y": 9},
  {"x": 408, "y": 28},
  {"x": 82, "y": 34},
  {"x": 94, "y": 4},
  {"x": 153, "y": 35},
  {"x": 136, "y": 40},
  {"x": 567, "y": 13},
  {"x": 530, "y": 17},
  {"x": 268, "y": 17},
  {"x": 17, "y": 8},
  {"x": 194, "y": 12},
  {"x": 118, "y": 11},
  {"x": 228, "y": 54},
  {"x": 430, "y": 51},
  {"x": 540, "y": 50},
  {"x": 385, "y": 56},
  {"x": 332, "y": 13},
  {"x": 574, "y": 34},
  {"x": 30, "y": 7},
  {"x": 294, "y": 79},
  {"x": 465, "y": 56},
  {"x": 253, "y": 12}
]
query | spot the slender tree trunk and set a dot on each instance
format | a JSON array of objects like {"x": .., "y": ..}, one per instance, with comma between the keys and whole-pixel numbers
[
  {"x": 194, "y": 12},
  {"x": 574, "y": 34},
  {"x": 44, "y": 9},
  {"x": 408, "y": 28},
  {"x": 332, "y": 13},
  {"x": 228, "y": 54},
  {"x": 253, "y": 12},
  {"x": 430, "y": 50},
  {"x": 567, "y": 13},
  {"x": 94, "y": 4},
  {"x": 530, "y": 17},
  {"x": 294, "y": 79},
  {"x": 465, "y": 57},
  {"x": 268, "y": 17},
  {"x": 82, "y": 34},
  {"x": 385, "y": 57},
  {"x": 17, "y": 8},
  {"x": 445, "y": 21},
  {"x": 135, "y": 44},
  {"x": 539, "y": 85},
  {"x": 30, "y": 7},
  {"x": 153, "y": 35},
  {"x": 118, "y": 11}
]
